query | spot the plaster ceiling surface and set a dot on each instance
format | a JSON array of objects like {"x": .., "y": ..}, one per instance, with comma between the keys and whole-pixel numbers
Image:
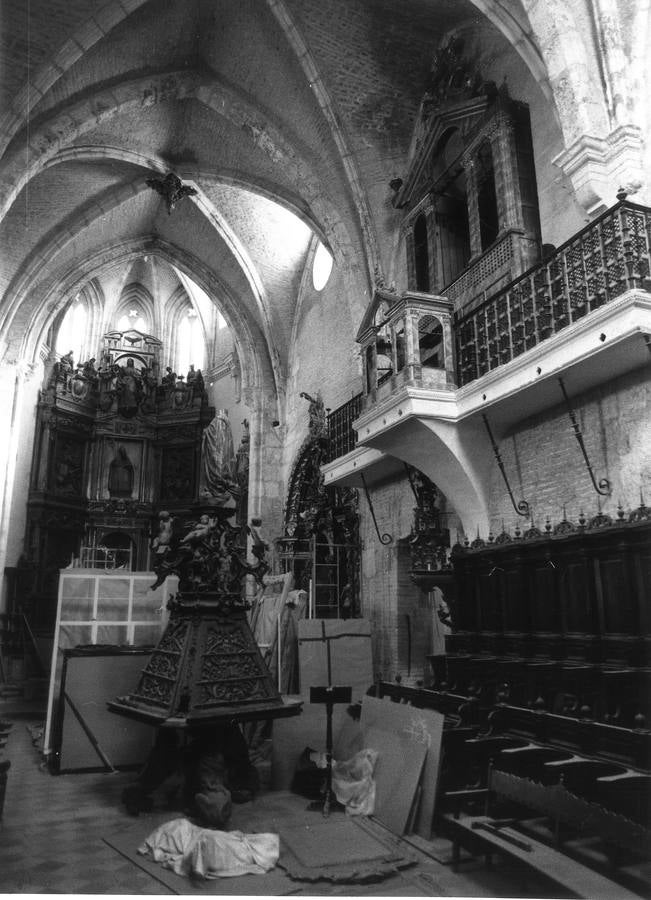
[
  {"x": 267, "y": 107},
  {"x": 55, "y": 196},
  {"x": 32, "y": 33},
  {"x": 189, "y": 136}
]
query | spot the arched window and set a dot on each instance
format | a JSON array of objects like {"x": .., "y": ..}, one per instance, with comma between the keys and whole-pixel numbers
[
  {"x": 321, "y": 267},
  {"x": 73, "y": 330},
  {"x": 401, "y": 353},
  {"x": 421, "y": 253},
  {"x": 430, "y": 343},
  {"x": 190, "y": 346},
  {"x": 383, "y": 361},
  {"x": 489, "y": 225},
  {"x": 451, "y": 238},
  {"x": 132, "y": 319}
]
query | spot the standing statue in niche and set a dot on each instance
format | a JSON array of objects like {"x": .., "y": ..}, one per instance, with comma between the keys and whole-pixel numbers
[
  {"x": 149, "y": 386},
  {"x": 67, "y": 363},
  {"x": 62, "y": 370},
  {"x": 242, "y": 474},
  {"x": 88, "y": 370},
  {"x": 217, "y": 478},
  {"x": 120, "y": 483},
  {"x": 179, "y": 393},
  {"x": 317, "y": 414},
  {"x": 129, "y": 389},
  {"x": 169, "y": 378}
]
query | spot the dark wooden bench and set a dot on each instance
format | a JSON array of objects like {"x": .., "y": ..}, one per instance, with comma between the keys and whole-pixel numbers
[{"x": 570, "y": 824}]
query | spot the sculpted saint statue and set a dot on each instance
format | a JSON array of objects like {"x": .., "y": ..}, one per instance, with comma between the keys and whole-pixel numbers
[
  {"x": 120, "y": 481},
  {"x": 129, "y": 388}
]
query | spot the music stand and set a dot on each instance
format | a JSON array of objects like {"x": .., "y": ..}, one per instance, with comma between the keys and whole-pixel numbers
[{"x": 329, "y": 695}]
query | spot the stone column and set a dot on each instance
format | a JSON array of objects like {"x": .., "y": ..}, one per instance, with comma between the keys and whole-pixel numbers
[
  {"x": 505, "y": 166},
  {"x": 448, "y": 349},
  {"x": 473, "y": 206},
  {"x": 18, "y": 398},
  {"x": 411, "y": 262}
]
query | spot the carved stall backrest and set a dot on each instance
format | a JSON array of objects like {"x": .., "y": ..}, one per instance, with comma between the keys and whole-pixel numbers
[{"x": 596, "y": 739}]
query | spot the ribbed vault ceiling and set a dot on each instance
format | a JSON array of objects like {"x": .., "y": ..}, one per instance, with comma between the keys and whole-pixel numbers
[{"x": 288, "y": 116}]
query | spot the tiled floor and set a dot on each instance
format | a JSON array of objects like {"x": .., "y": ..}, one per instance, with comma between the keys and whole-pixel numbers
[{"x": 51, "y": 839}]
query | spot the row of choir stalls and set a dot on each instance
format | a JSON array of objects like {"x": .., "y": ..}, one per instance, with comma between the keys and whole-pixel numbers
[
  {"x": 115, "y": 443},
  {"x": 544, "y": 685}
]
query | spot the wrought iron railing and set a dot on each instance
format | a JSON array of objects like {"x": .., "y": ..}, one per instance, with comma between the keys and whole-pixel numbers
[
  {"x": 608, "y": 257},
  {"x": 341, "y": 433}
]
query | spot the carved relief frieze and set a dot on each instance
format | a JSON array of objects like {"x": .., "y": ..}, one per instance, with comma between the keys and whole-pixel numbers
[
  {"x": 155, "y": 690},
  {"x": 119, "y": 506},
  {"x": 219, "y": 640},
  {"x": 219, "y": 667},
  {"x": 224, "y": 692},
  {"x": 174, "y": 637},
  {"x": 78, "y": 425},
  {"x": 61, "y": 519}
]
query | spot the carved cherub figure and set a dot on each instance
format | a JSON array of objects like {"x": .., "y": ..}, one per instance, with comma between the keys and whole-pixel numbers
[{"x": 200, "y": 532}]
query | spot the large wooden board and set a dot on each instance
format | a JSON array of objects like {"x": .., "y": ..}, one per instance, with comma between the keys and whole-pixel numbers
[
  {"x": 90, "y": 678},
  {"x": 423, "y": 726},
  {"x": 397, "y": 775}
]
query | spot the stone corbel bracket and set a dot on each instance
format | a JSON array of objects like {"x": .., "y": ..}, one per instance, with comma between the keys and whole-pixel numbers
[{"x": 599, "y": 166}]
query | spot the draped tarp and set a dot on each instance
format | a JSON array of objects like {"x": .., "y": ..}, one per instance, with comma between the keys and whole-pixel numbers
[{"x": 217, "y": 457}]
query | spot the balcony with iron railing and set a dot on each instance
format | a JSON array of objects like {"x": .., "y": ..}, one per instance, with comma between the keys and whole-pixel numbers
[{"x": 585, "y": 309}]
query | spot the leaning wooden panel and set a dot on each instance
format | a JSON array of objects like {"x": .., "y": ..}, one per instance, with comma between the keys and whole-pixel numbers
[{"x": 420, "y": 726}]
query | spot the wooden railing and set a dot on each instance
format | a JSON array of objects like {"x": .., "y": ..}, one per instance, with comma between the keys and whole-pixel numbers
[{"x": 605, "y": 259}]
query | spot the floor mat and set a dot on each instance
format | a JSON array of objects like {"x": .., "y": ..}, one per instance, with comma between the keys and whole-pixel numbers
[{"x": 338, "y": 850}]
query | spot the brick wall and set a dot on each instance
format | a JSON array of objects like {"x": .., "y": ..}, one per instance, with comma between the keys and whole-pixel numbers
[
  {"x": 544, "y": 462},
  {"x": 388, "y": 595}
]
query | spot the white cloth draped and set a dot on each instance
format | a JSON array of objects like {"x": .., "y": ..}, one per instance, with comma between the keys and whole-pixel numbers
[{"x": 190, "y": 850}]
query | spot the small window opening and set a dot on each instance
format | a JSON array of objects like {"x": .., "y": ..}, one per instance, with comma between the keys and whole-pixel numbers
[
  {"x": 486, "y": 196},
  {"x": 421, "y": 254},
  {"x": 321, "y": 267},
  {"x": 400, "y": 349},
  {"x": 430, "y": 343}
]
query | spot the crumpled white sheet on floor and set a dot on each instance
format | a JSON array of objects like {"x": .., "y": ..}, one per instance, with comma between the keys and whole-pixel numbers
[
  {"x": 190, "y": 850},
  {"x": 353, "y": 783}
]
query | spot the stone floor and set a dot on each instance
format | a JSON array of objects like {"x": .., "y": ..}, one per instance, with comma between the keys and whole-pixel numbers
[{"x": 51, "y": 840}]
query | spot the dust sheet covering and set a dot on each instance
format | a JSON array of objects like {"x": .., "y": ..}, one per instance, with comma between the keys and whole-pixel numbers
[
  {"x": 274, "y": 622},
  {"x": 198, "y": 852}
]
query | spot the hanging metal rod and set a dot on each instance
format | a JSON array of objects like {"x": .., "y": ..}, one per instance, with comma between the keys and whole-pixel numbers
[
  {"x": 521, "y": 507},
  {"x": 411, "y": 483},
  {"x": 603, "y": 487},
  {"x": 383, "y": 538}
]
